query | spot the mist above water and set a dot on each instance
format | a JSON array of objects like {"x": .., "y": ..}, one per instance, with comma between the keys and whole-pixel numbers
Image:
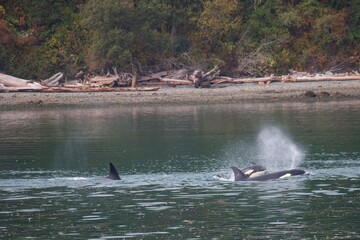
[{"x": 277, "y": 151}]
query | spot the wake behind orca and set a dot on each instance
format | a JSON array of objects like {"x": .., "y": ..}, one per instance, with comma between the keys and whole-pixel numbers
[
  {"x": 241, "y": 176},
  {"x": 113, "y": 174}
]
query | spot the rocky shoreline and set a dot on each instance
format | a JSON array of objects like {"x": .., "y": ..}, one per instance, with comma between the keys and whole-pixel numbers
[{"x": 185, "y": 95}]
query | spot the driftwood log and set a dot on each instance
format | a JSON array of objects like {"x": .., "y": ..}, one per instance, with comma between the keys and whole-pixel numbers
[
  {"x": 53, "y": 81},
  {"x": 10, "y": 81},
  {"x": 319, "y": 78},
  {"x": 99, "y": 89},
  {"x": 13, "y": 84},
  {"x": 197, "y": 78},
  {"x": 98, "y": 84},
  {"x": 285, "y": 78},
  {"x": 104, "y": 81},
  {"x": 184, "y": 77},
  {"x": 30, "y": 88},
  {"x": 263, "y": 80},
  {"x": 152, "y": 77},
  {"x": 80, "y": 77},
  {"x": 201, "y": 79}
]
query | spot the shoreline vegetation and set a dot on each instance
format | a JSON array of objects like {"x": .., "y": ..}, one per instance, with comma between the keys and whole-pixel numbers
[
  {"x": 247, "y": 38},
  {"x": 141, "y": 52}
]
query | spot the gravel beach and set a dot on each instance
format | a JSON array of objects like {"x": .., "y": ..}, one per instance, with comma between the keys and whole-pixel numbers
[{"x": 184, "y": 95}]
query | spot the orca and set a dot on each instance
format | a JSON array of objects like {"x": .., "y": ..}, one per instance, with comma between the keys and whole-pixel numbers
[
  {"x": 113, "y": 174},
  {"x": 254, "y": 170},
  {"x": 241, "y": 176}
]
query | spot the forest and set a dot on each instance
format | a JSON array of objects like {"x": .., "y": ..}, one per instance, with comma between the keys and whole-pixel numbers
[{"x": 242, "y": 37}]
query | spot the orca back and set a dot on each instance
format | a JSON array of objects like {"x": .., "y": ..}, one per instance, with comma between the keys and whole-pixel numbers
[
  {"x": 240, "y": 176},
  {"x": 277, "y": 175}
]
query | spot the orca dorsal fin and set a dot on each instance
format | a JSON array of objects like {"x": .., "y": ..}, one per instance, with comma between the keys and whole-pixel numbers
[
  {"x": 113, "y": 174},
  {"x": 238, "y": 174}
]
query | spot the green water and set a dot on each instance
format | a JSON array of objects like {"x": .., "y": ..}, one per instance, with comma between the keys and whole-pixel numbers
[{"x": 53, "y": 164}]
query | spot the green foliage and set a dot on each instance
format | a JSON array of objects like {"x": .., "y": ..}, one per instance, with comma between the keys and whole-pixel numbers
[
  {"x": 354, "y": 20},
  {"x": 64, "y": 49},
  {"x": 121, "y": 31},
  {"x": 2, "y": 12},
  {"x": 40, "y": 37},
  {"x": 264, "y": 36},
  {"x": 317, "y": 33},
  {"x": 46, "y": 38},
  {"x": 108, "y": 28},
  {"x": 218, "y": 29}
]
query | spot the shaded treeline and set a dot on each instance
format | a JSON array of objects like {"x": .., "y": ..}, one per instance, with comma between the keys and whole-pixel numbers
[{"x": 244, "y": 37}]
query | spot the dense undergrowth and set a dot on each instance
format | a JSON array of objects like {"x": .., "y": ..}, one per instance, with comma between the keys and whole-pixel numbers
[{"x": 243, "y": 37}]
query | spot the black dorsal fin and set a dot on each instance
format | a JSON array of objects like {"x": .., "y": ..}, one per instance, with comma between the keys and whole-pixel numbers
[
  {"x": 113, "y": 174},
  {"x": 239, "y": 175}
]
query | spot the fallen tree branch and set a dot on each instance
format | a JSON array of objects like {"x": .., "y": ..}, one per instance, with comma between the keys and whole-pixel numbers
[
  {"x": 152, "y": 77},
  {"x": 100, "y": 89},
  {"x": 176, "y": 81},
  {"x": 104, "y": 81},
  {"x": 31, "y": 88},
  {"x": 272, "y": 78},
  {"x": 319, "y": 78},
  {"x": 53, "y": 81}
]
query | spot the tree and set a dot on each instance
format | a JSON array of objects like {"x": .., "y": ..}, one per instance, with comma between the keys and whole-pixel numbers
[
  {"x": 317, "y": 34},
  {"x": 218, "y": 29},
  {"x": 6, "y": 42},
  {"x": 122, "y": 32},
  {"x": 40, "y": 37},
  {"x": 45, "y": 38},
  {"x": 262, "y": 41}
]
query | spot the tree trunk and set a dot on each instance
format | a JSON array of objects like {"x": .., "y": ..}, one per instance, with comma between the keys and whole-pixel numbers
[{"x": 134, "y": 77}]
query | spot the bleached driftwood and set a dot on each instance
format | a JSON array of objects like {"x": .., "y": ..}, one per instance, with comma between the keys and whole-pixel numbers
[
  {"x": 176, "y": 81},
  {"x": 201, "y": 79},
  {"x": 319, "y": 78},
  {"x": 189, "y": 77},
  {"x": 285, "y": 78},
  {"x": 99, "y": 89},
  {"x": 153, "y": 77},
  {"x": 263, "y": 80},
  {"x": 13, "y": 84},
  {"x": 32, "y": 87},
  {"x": 54, "y": 80},
  {"x": 10, "y": 81},
  {"x": 98, "y": 84},
  {"x": 104, "y": 81}
]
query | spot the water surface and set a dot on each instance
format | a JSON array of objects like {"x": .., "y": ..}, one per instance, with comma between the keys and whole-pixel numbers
[{"x": 53, "y": 164}]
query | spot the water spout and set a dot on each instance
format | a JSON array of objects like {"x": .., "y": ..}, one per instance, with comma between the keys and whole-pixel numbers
[{"x": 277, "y": 151}]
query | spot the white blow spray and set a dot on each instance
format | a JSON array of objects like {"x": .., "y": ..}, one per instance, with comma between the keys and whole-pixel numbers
[{"x": 277, "y": 151}]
